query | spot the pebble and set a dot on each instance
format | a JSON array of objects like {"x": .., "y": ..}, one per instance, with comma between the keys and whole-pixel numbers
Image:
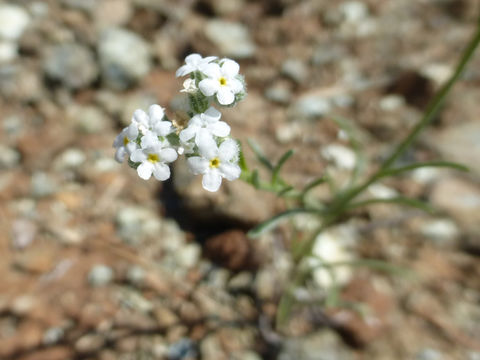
[
  {"x": 89, "y": 343},
  {"x": 310, "y": 107},
  {"x": 295, "y": 69},
  {"x": 124, "y": 57},
  {"x": 88, "y": 119},
  {"x": 9, "y": 157},
  {"x": 441, "y": 231},
  {"x": 342, "y": 156},
  {"x": 429, "y": 354},
  {"x": 100, "y": 275},
  {"x": 69, "y": 159},
  {"x": 8, "y": 51},
  {"x": 42, "y": 184},
  {"x": 71, "y": 64},
  {"x": 182, "y": 349},
  {"x": 84, "y": 5},
  {"x": 188, "y": 255},
  {"x": 13, "y": 21},
  {"x": 232, "y": 39},
  {"x": 354, "y": 11},
  {"x": 53, "y": 335},
  {"x": 391, "y": 102},
  {"x": 279, "y": 94},
  {"x": 136, "y": 223},
  {"x": 136, "y": 275},
  {"x": 23, "y": 233}
]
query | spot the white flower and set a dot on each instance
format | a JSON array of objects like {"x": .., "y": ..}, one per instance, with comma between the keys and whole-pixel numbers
[
  {"x": 222, "y": 81},
  {"x": 205, "y": 124},
  {"x": 153, "y": 121},
  {"x": 153, "y": 159},
  {"x": 125, "y": 142},
  {"x": 193, "y": 63},
  {"x": 215, "y": 162},
  {"x": 189, "y": 86}
]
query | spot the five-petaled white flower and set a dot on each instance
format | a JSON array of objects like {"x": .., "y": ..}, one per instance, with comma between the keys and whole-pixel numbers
[
  {"x": 193, "y": 62},
  {"x": 153, "y": 159},
  {"x": 221, "y": 80},
  {"x": 153, "y": 121},
  {"x": 215, "y": 162},
  {"x": 205, "y": 124},
  {"x": 125, "y": 142}
]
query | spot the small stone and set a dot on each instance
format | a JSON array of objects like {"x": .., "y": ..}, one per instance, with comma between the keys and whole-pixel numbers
[
  {"x": 326, "y": 54},
  {"x": 13, "y": 21},
  {"x": 88, "y": 119},
  {"x": 182, "y": 349},
  {"x": 113, "y": 13},
  {"x": 53, "y": 335},
  {"x": 188, "y": 255},
  {"x": 70, "y": 159},
  {"x": 354, "y": 11},
  {"x": 71, "y": 64},
  {"x": 295, "y": 69},
  {"x": 136, "y": 223},
  {"x": 42, "y": 184},
  {"x": 84, "y": 5},
  {"x": 342, "y": 156},
  {"x": 124, "y": 57},
  {"x": 8, "y": 51},
  {"x": 279, "y": 94},
  {"x": 100, "y": 275},
  {"x": 429, "y": 354},
  {"x": 89, "y": 343},
  {"x": 310, "y": 106},
  {"x": 9, "y": 158},
  {"x": 232, "y": 39},
  {"x": 391, "y": 102},
  {"x": 381, "y": 191},
  {"x": 23, "y": 233},
  {"x": 442, "y": 231},
  {"x": 438, "y": 73},
  {"x": 136, "y": 275}
]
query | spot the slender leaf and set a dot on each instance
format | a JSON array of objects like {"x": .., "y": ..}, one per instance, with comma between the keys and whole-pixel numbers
[
  {"x": 275, "y": 220},
  {"x": 255, "y": 180},
  {"x": 400, "y": 200},
  {"x": 278, "y": 167},
  {"x": 241, "y": 158},
  {"x": 285, "y": 190},
  {"x": 260, "y": 155},
  {"x": 446, "y": 164}
]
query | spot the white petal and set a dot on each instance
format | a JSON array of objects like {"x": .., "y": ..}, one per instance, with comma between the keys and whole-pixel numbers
[
  {"x": 161, "y": 171},
  {"x": 197, "y": 165},
  {"x": 119, "y": 139},
  {"x": 212, "y": 71},
  {"x": 168, "y": 155},
  {"x": 193, "y": 59},
  {"x": 208, "y": 59},
  {"x": 149, "y": 140},
  {"x": 230, "y": 171},
  {"x": 163, "y": 128},
  {"x": 156, "y": 113},
  {"x": 235, "y": 85},
  {"x": 212, "y": 180},
  {"x": 206, "y": 145},
  {"x": 228, "y": 150},
  {"x": 230, "y": 68},
  {"x": 184, "y": 70},
  {"x": 225, "y": 96},
  {"x": 138, "y": 156},
  {"x": 208, "y": 87},
  {"x": 220, "y": 128},
  {"x": 140, "y": 117},
  {"x": 120, "y": 154},
  {"x": 196, "y": 120},
  {"x": 212, "y": 114},
  {"x": 145, "y": 170},
  {"x": 131, "y": 147},
  {"x": 132, "y": 132},
  {"x": 204, "y": 133},
  {"x": 188, "y": 133}
]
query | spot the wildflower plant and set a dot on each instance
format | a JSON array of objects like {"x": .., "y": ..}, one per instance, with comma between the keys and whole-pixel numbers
[{"x": 152, "y": 141}]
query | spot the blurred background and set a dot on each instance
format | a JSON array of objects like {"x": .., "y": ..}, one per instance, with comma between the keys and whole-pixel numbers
[{"x": 98, "y": 264}]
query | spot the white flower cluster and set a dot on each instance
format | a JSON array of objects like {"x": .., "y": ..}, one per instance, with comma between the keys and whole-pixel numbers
[{"x": 152, "y": 141}]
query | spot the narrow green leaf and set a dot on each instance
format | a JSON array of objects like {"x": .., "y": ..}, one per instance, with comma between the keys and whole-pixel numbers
[
  {"x": 275, "y": 220},
  {"x": 281, "y": 162},
  {"x": 399, "y": 170},
  {"x": 400, "y": 200},
  {"x": 241, "y": 158},
  {"x": 285, "y": 190},
  {"x": 260, "y": 155},
  {"x": 255, "y": 181}
]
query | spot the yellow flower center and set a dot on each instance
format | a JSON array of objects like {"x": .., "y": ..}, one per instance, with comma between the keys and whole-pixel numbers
[
  {"x": 215, "y": 162},
  {"x": 125, "y": 141},
  {"x": 223, "y": 81},
  {"x": 153, "y": 158}
]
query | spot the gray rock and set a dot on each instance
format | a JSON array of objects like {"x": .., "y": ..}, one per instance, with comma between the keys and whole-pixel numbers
[
  {"x": 23, "y": 233},
  {"x": 84, "y": 5},
  {"x": 184, "y": 348},
  {"x": 70, "y": 159},
  {"x": 52, "y": 335},
  {"x": 42, "y": 184},
  {"x": 100, "y": 275},
  {"x": 323, "y": 345},
  {"x": 71, "y": 64},
  {"x": 429, "y": 354},
  {"x": 124, "y": 57},
  {"x": 326, "y": 54},
  {"x": 136, "y": 223},
  {"x": 9, "y": 157},
  {"x": 232, "y": 39},
  {"x": 88, "y": 119},
  {"x": 20, "y": 82},
  {"x": 136, "y": 275},
  {"x": 295, "y": 69},
  {"x": 354, "y": 11},
  {"x": 188, "y": 255},
  {"x": 279, "y": 94},
  {"x": 310, "y": 106},
  {"x": 13, "y": 21}
]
